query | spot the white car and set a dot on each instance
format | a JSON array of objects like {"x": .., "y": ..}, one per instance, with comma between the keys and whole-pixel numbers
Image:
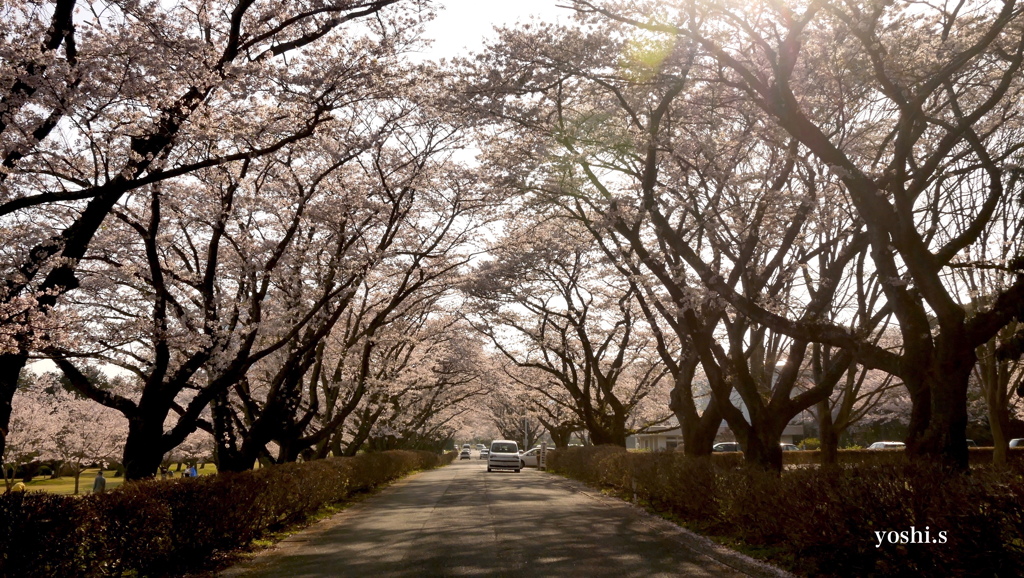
[
  {"x": 504, "y": 455},
  {"x": 1017, "y": 443},
  {"x": 532, "y": 458},
  {"x": 887, "y": 446}
]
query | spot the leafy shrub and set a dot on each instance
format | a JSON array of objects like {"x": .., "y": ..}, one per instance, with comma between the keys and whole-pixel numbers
[
  {"x": 29, "y": 524},
  {"x": 810, "y": 444},
  {"x": 823, "y": 521},
  {"x": 167, "y": 527}
]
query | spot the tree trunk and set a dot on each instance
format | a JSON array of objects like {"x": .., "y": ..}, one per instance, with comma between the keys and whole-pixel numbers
[
  {"x": 235, "y": 462},
  {"x": 225, "y": 452},
  {"x": 560, "y": 434},
  {"x": 253, "y": 446},
  {"x": 362, "y": 433},
  {"x": 699, "y": 432},
  {"x": 699, "y": 429},
  {"x": 561, "y": 438},
  {"x": 11, "y": 365},
  {"x": 337, "y": 439},
  {"x": 762, "y": 447},
  {"x": 999, "y": 421},
  {"x": 995, "y": 376},
  {"x": 827, "y": 434},
  {"x": 613, "y": 433},
  {"x": 944, "y": 439},
  {"x": 144, "y": 447}
]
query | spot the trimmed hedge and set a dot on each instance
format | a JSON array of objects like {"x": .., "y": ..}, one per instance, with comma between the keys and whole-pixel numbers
[
  {"x": 977, "y": 456},
  {"x": 168, "y": 527},
  {"x": 823, "y": 521}
]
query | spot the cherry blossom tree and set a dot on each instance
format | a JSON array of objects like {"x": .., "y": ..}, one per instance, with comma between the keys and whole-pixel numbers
[
  {"x": 925, "y": 149},
  {"x": 55, "y": 424},
  {"x": 197, "y": 447},
  {"x": 104, "y": 99},
  {"x": 999, "y": 370},
  {"x": 545, "y": 305},
  {"x": 678, "y": 182},
  {"x": 225, "y": 268},
  {"x": 405, "y": 243},
  {"x": 88, "y": 432},
  {"x": 442, "y": 380},
  {"x": 511, "y": 409},
  {"x": 32, "y": 426}
]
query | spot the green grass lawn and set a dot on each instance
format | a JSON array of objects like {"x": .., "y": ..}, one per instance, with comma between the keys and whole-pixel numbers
[{"x": 66, "y": 484}]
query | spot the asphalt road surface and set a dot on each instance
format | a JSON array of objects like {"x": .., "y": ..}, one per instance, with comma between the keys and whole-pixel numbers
[{"x": 462, "y": 521}]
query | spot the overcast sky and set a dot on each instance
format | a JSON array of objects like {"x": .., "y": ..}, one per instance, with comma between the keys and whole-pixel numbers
[{"x": 461, "y": 25}]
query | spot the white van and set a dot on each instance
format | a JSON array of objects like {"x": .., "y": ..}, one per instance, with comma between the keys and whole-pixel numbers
[{"x": 504, "y": 455}]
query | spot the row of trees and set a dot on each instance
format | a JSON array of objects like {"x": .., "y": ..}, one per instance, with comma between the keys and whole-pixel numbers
[
  {"x": 725, "y": 213},
  {"x": 247, "y": 209},
  {"x": 793, "y": 194}
]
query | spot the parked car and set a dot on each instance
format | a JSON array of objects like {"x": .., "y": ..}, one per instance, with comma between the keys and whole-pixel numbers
[
  {"x": 465, "y": 446},
  {"x": 789, "y": 447},
  {"x": 481, "y": 447},
  {"x": 887, "y": 446},
  {"x": 971, "y": 444},
  {"x": 531, "y": 458},
  {"x": 464, "y": 454},
  {"x": 1017, "y": 443},
  {"x": 484, "y": 453},
  {"x": 504, "y": 455},
  {"x": 726, "y": 447}
]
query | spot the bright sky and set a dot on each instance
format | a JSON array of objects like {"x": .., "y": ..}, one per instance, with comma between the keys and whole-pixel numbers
[{"x": 462, "y": 25}]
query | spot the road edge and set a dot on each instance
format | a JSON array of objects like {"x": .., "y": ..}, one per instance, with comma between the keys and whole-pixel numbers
[
  {"x": 687, "y": 538},
  {"x": 266, "y": 556}
]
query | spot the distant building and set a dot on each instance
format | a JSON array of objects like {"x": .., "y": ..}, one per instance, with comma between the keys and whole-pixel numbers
[
  {"x": 657, "y": 438},
  {"x": 670, "y": 436},
  {"x": 667, "y": 438}
]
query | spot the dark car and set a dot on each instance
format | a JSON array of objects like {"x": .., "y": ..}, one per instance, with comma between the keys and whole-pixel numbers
[{"x": 726, "y": 447}]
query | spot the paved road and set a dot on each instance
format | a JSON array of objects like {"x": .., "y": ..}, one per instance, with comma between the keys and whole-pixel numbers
[{"x": 462, "y": 521}]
